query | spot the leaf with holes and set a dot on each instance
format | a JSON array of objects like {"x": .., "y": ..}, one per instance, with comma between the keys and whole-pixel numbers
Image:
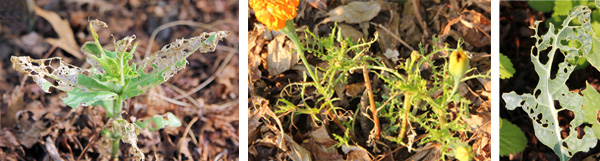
[{"x": 540, "y": 105}]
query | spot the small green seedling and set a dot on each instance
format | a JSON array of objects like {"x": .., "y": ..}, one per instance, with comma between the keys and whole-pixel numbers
[{"x": 113, "y": 77}]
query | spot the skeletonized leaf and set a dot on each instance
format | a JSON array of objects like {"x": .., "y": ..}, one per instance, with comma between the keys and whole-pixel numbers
[{"x": 42, "y": 70}]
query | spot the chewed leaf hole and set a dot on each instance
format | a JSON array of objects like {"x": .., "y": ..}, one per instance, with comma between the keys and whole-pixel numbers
[
  {"x": 564, "y": 120},
  {"x": 537, "y": 93},
  {"x": 557, "y": 105},
  {"x": 598, "y": 116}
]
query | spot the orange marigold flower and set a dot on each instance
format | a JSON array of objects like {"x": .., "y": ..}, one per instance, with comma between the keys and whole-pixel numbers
[{"x": 274, "y": 13}]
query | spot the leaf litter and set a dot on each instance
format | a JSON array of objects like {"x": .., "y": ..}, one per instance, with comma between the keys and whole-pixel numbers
[
  {"x": 401, "y": 28},
  {"x": 36, "y": 125}
]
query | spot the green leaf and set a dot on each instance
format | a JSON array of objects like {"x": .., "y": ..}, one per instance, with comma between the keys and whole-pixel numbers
[
  {"x": 76, "y": 97},
  {"x": 506, "y": 67},
  {"x": 92, "y": 83},
  {"x": 159, "y": 122},
  {"x": 108, "y": 105},
  {"x": 90, "y": 48},
  {"x": 591, "y": 106},
  {"x": 542, "y": 6},
  {"x": 512, "y": 139},
  {"x": 540, "y": 105},
  {"x": 594, "y": 57}
]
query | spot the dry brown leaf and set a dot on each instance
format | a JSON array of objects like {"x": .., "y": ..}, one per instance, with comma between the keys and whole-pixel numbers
[
  {"x": 256, "y": 42},
  {"x": 33, "y": 43},
  {"x": 350, "y": 32},
  {"x": 66, "y": 40},
  {"x": 409, "y": 30},
  {"x": 8, "y": 140},
  {"x": 295, "y": 151},
  {"x": 51, "y": 149},
  {"x": 356, "y": 153},
  {"x": 354, "y": 12},
  {"x": 280, "y": 57},
  {"x": 319, "y": 144}
]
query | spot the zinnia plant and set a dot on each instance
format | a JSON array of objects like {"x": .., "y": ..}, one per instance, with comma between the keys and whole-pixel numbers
[{"x": 113, "y": 77}]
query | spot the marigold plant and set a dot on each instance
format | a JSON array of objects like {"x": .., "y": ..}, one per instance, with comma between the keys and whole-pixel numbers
[{"x": 274, "y": 14}]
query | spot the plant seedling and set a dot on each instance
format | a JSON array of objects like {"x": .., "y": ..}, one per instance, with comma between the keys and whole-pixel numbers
[{"x": 113, "y": 77}]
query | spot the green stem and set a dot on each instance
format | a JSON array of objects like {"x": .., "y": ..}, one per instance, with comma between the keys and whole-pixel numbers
[
  {"x": 290, "y": 32},
  {"x": 406, "y": 105},
  {"x": 115, "y": 149}
]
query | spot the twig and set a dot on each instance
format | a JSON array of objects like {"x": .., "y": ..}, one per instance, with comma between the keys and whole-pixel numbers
[
  {"x": 400, "y": 147},
  {"x": 393, "y": 35},
  {"x": 185, "y": 133},
  {"x": 50, "y": 51},
  {"x": 181, "y": 92},
  {"x": 371, "y": 101},
  {"x": 86, "y": 147},
  {"x": 415, "y": 4},
  {"x": 174, "y": 101},
  {"x": 211, "y": 78}
]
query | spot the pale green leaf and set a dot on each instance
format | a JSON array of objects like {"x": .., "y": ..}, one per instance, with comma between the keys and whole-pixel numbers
[
  {"x": 540, "y": 104},
  {"x": 160, "y": 121},
  {"x": 591, "y": 106}
]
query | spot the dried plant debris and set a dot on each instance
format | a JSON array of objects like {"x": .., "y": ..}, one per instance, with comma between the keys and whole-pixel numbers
[
  {"x": 171, "y": 58},
  {"x": 65, "y": 75}
]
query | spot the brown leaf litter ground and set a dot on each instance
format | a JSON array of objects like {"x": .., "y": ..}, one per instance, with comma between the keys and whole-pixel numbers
[
  {"x": 38, "y": 126},
  {"x": 401, "y": 27}
]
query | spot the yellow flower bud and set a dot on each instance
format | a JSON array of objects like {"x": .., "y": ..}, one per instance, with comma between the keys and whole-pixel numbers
[
  {"x": 459, "y": 64},
  {"x": 463, "y": 153}
]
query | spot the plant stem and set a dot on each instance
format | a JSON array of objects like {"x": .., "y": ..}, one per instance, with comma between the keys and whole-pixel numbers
[
  {"x": 371, "y": 101},
  {"x": 115, "y": 149},
  {"x": 290, "y": 32},
  {"x": 406, "y": 106}
]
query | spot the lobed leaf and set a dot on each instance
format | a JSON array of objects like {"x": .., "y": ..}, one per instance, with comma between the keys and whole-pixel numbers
[{"x": 506, "y": 67}]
